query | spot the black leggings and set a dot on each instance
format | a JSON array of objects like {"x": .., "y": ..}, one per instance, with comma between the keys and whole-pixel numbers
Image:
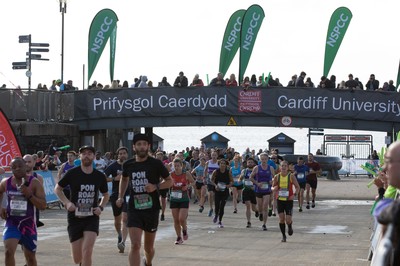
[{"x": 220, "y": 201}]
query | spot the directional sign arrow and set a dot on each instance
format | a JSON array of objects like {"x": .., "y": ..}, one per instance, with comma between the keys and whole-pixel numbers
[
  {"x": 38, "y": 50},
  {"x": 20, "y": 67},
  {"x": 19, "y": 63},
  {"x": 35, "y": 56},
  {"x": 40, "y": 44},
  {"x": 24, "y": 38}
]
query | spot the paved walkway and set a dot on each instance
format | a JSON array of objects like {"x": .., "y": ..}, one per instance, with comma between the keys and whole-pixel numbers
[{"x": 336, "y": 232}]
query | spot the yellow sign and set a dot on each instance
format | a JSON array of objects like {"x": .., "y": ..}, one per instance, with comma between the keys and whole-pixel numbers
[{"x": 231, "y": 122}]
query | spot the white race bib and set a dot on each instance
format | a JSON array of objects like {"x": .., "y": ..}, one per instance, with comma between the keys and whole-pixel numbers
[
  {"x": 83, "y": 209},
  {"x": 18, "y": 206},
  {"x": 283, "y": 193},
  {"x": 177, "y": 194},
  {"x": 264, "y": 185},
  {"x": 300, "y": 175},
  {"x": 248, "y": 183},
  {"x": 221, "y": 186}
]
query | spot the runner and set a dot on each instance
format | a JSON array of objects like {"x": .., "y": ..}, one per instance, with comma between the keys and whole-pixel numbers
[
  {"x": 24, "y": 194},
  {"x": 71, "y": 157},
  {"x": 120, "y": 213},
  {"x": 283, "y": 184},
  {"x": 301, "y": 171},
  {"x": 200, "y": 187},
  {"x": 274, "y": 162},
  {"x": 179, "y": 202},
  {"x": 235, "y": 170},
  {"x": 143, "y": 173},
  {"x": 163, "y": 192},
  {"x": 248, "y": 194},
  {"x": 312, "y": 181},
  {"x": 222, "y": 180},
  {"x": 262, "y": 178},
  {"x": 211, "y": 165},
  {"x": 30, "y": 163},
  {"x": 83, "y": 208}
]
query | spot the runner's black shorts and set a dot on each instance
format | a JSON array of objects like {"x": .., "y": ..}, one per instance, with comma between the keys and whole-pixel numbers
[
  {"x": 302, "y": 185},
  {"x": 118, "y": 210},
  {"x": 238, "y": 187},
  {"x": 285, "y": 206},
  {"x": 76, "y": 226},
  {"x": 313, "y": 183},
  {"x": 179, "y": 205},
  {"x": 210, "y": 188},
  {"x": 262, "y": 194},
  {"x": 146, "y": 220},
  {"x": 163, "y": 192},
  {"x": 249, "y": 195},
  {"x": 199, "y": 185}
]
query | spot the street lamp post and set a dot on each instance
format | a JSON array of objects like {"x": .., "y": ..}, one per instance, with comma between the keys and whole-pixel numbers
[{"x": 63, "y": 10}]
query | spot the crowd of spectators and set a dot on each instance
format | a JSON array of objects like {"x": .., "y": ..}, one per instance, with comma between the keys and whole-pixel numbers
[{"x": 181, "y": 81}]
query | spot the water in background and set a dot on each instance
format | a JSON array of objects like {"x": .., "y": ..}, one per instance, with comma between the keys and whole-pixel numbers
[{"x": 178, "y": 138}]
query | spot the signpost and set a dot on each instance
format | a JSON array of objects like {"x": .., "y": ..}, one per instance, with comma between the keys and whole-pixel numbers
[
  {"x": 314, "y": 132},
  {"x": 30, "y": 56}
]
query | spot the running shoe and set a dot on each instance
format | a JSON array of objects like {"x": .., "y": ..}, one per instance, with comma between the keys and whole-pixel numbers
[
  {"x": 256, "y": 214},
  {"x": 235, "y": 211},
  {"x": 39, "y": 224},
  {"x": 162, "y": 217},
  {"x": 300, "y": 209},
  {"x": 145, "y": 262},
  {"x": 248, "y": 225},
  {"x": 215, "y": 219},
  {"x": 283, "y": 239},
  {"x": 195, "y": 201},
  {"x": 178, "y": 241},
  {"x": 121, "y": 247},
  {"x": 290, "y": 230},
  {"x": 185, "y": 235},
  {"x": 264, "y": 227},
  {"x": 210, "y": 212},
  {"x": 308, "y": 206},
  {"x": 260, "y": 217},
  {"x": 313, "y": 204},
  {"x": 201, "y": 209},
  {"x": 119, "y": 239},
  {"x": 273, "y": 214},
  {"x": 269, "y": 212},
  {"x": 220, "y": 225}
]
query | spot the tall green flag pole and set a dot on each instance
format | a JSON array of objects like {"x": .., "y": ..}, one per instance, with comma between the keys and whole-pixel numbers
[
  {"x": 337, "y": 28},
  {"x": 231, "y": 40},
  {"x": 101, "y": 29},
  {"x": 251, "y": 25}
]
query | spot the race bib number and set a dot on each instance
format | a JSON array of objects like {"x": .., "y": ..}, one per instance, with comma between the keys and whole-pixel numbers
[
  {"x": 264, "y": 185},
  {"x": 221, "y": 186},
  {"x": 177, "y": 194},
  {"x": 283, "y": 193},
  {"x": 18, "y": 206},
  {"x": 83, "y": 209},
  {"x": 143, "y": 201},
  {"x": 236, "y": 179},
  {"x": 300, "y": 176},
  {"x": 248, "y": 183}
]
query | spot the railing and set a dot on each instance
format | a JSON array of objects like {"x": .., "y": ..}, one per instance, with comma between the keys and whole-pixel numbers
[
  {"x": 353, "y": 166},
  {"x": 36, "y": 105}
]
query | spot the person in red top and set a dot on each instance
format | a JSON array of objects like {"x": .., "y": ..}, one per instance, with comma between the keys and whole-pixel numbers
[
  {"x": 232, "y": 81},
  {"x": 179, "y": 199},
  {"x": 197, "y": 82},
  {"x": 311, "y": 179}
]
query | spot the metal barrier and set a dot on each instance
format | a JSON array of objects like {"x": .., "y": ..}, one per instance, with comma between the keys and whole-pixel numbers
[{"x": 353, "y": 166}]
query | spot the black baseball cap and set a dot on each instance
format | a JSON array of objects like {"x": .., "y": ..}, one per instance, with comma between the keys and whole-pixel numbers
[
  {"x": 87, "y": 147},
  {"x": 140, "y": 136}
]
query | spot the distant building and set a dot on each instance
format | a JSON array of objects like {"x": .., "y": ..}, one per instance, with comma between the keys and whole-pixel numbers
[
  {"x": 158, "y": 142},
  {"x": 215, "y": 140},
  {"x": 283, "y": 143}
]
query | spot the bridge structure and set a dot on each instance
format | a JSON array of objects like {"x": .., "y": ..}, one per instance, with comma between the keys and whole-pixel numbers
[{"x": 127, "y": 108}]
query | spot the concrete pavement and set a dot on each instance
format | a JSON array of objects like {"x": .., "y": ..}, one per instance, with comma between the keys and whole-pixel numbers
[{"x": 336, "y": 232}]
